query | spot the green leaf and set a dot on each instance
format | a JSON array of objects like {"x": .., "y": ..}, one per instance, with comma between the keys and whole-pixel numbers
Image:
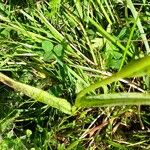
[
  {"x": 135, "y": 68},
  {"x": 139, "y": 24},
  {"x": 47, "y": 46},
  {"x": 58, "y": 49},
  {"x": 38, "y": 94},
  {"x": 115, "y": 99},
  {"x": 54, "y": 5},
  {"x": 79, "y": 7},
  {"x": 108, "y": 36},
  {"x": 114, "y": 60}
]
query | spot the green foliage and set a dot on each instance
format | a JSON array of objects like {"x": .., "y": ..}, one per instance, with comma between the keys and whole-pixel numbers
[
  {"x": 47, "y": 47},
  {"x": 54, "y": 6},
  {"x": 38, "y": 94},
  {"x": 131, "y": 70},
  {"x": 64, "y": 48},
  {"x": 51, "y": 51}
]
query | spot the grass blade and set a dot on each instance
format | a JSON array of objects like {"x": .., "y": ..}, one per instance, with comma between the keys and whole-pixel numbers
[
  {"x": 79, "y": 7},
  {"x": 116, "y": 99},
  {"x": 58, "y": 36},
  {"x": 136, "y": 68},
  {"x": 139, "y": 24},
  {"x": 104, "y": 12},
  {"x": 108, "y": 36},
  {"x": 128, "y": 43}
]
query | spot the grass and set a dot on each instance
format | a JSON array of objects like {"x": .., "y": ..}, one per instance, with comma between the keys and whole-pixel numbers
[{"x": 63, "y": 47}]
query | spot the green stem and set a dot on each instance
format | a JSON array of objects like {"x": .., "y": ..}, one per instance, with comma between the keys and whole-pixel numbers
[{"x": 38, "y": 94}]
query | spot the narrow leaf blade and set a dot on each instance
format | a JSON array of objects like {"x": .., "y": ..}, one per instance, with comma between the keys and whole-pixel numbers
[{"x": 116, "y": 99}]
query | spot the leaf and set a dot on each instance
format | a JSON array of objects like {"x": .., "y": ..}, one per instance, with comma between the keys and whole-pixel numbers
[
  {"x": 58, "y": 50},
  {"x": 139, "y": 24},
  {"x": 135, "y": 68},
  {"x": 108, "y": 36},
  {"x": 54, "y": 5},
  {"x": 48, "y": 47},
  {"x": 79, "y": 7},
  {"x": 38, "y": 94},
  {"x": 115, "y": 99},
  {"x": 114, "y": 60}
]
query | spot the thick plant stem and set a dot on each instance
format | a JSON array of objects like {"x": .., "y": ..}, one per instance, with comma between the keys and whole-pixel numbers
[{"x": 38, "y": 94}]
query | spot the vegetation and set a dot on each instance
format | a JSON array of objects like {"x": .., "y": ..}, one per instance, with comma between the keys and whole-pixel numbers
[{"x": 71, "y": 55}]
